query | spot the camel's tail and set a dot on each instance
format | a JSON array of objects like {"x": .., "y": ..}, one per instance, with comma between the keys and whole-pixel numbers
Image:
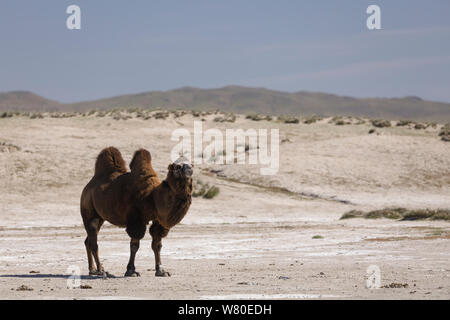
[{"x": 108, "y": 161}]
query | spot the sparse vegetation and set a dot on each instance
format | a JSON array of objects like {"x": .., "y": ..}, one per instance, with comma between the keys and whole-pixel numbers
[
  {"x": 202, "y": 189},
  {"x": 381, "y": 123},
  {"x": 289, "y": 119},
  {"x": 420, "y": 126},
  {"x": 359, "y": 121},
  {"x": 226, "y": 118},
  {"x": 211, "y": 193},
  {"x": 161, "y": 115},
  {"x": 312, "y": 119},
  {"x": 36, "y": 115},
  {"x": 445, "y": 133},
  {"x": 120, "y": 116},
  {"x": 403, "y": 123},
  {"x": 400, "y": 214},
  {"x": 340, "y": 121},
  {"x": 24, "y": 288},
  {"x": 179, "y": 113},
  {"x": 6, "y": 115},
  {"x": 59, "y": 115},
  {"x": 258, "y": 117},
  {"x": 8, "y": 147},
  {"x": 317, "y": 237}
]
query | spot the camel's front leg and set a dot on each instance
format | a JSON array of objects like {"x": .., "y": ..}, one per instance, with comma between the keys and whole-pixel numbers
[
  {"x": 158, "y": 232},
  {"x": 131, "y": 270}
]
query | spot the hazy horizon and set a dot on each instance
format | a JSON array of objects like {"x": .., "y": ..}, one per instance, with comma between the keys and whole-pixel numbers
[
  {"x": 222, "y": 87},
  {"x": 128, "y": 48}
]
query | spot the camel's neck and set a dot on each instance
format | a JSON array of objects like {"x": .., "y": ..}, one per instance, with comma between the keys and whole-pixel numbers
[{"x": 173, "y": 199}]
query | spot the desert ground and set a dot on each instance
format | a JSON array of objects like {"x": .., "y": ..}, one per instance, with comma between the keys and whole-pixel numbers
[{"x": 261, "y": 237}]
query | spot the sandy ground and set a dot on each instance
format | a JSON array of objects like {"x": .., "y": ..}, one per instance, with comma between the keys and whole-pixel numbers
[{"x": 256, "y": 239}]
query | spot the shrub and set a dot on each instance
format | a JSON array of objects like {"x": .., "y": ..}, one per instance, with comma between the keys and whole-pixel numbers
[
  {"x": 400, "y": 214},
  {"x": 381, "y": 123},
  {"x": 420, "y": 126},
  {"x": 403, "y": 123},
  {"x": 161, "y": 115},
  {"x": 226, "y": 118},
  {"x": 211, "y": 193},
  {"x": 200, "y": 188},
  {"x": 312, "y": 119},
  {"x": 395, "y": 213},
  {"x": 291, "y": 120},
  {"x": 6, "y": 115},
  {"x": 445, "y": 133},
  {"x": 352, "y": 214},
  {"x": 36, "y": 116},
  {"x": 204, "y": 190},
  {"x": 258, "y": 117}
]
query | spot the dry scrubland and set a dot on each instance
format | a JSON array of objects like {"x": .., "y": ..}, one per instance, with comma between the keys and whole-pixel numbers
[{"x": 246, "y": 235}]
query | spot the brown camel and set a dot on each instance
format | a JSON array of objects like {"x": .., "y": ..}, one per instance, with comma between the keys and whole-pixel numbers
[{"x": 131, "y": 200}]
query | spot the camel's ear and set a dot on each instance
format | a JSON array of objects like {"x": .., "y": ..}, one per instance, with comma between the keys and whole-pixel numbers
[{"x": 170, "y": 167}]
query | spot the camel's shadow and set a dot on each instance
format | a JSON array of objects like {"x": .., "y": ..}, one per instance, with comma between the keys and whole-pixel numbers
[{"x": 54, "y": 276}]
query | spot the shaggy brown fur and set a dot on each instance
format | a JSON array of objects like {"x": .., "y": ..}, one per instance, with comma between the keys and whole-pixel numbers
[{"x": 132, "y": 200}]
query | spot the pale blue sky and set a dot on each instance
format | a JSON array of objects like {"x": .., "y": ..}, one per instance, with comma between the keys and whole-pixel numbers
[{"x": 135, "y": 46}]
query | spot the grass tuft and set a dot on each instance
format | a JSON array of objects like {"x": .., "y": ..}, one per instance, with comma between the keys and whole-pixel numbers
[{"x": 400, "y": 214}]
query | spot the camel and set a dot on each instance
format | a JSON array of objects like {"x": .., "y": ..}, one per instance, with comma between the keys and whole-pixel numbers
[{"x": 131, "y": 200}]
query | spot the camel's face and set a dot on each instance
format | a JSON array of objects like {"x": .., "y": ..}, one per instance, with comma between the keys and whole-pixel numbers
[{"x": 181, "y": 169}]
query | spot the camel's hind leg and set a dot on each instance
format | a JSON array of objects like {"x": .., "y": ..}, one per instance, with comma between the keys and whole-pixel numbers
[
  {"x": 136, "y": 230},
  {"x": 89, "y": 255}
]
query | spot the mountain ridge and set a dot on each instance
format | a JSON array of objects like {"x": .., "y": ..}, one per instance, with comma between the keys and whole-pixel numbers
[{"x": 245, "y": 100}]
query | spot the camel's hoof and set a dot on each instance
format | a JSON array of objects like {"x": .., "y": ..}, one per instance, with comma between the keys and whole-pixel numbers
[
  {"x": 162, "y": 273},
  {"x": 131, "y": 273},
  {"x": 101, "y": 273}
]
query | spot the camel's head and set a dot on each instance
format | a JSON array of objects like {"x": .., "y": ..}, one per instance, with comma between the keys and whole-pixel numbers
[{"x": 181, "y": 168}]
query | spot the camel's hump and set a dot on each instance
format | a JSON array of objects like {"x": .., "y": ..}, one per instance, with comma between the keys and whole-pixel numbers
[{"x": 108, "y": 161}]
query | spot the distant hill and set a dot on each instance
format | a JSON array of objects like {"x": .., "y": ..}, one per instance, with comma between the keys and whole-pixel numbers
[
  {"x": 26, "y": 101},
  {"x": 246, "y": 100}
]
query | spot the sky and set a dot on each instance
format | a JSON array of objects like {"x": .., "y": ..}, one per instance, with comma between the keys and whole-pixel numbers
[{"x": 135, "y": 46}]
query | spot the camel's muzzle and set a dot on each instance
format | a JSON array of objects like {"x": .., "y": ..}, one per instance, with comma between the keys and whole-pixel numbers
[{"x": 187, "y": 170}]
